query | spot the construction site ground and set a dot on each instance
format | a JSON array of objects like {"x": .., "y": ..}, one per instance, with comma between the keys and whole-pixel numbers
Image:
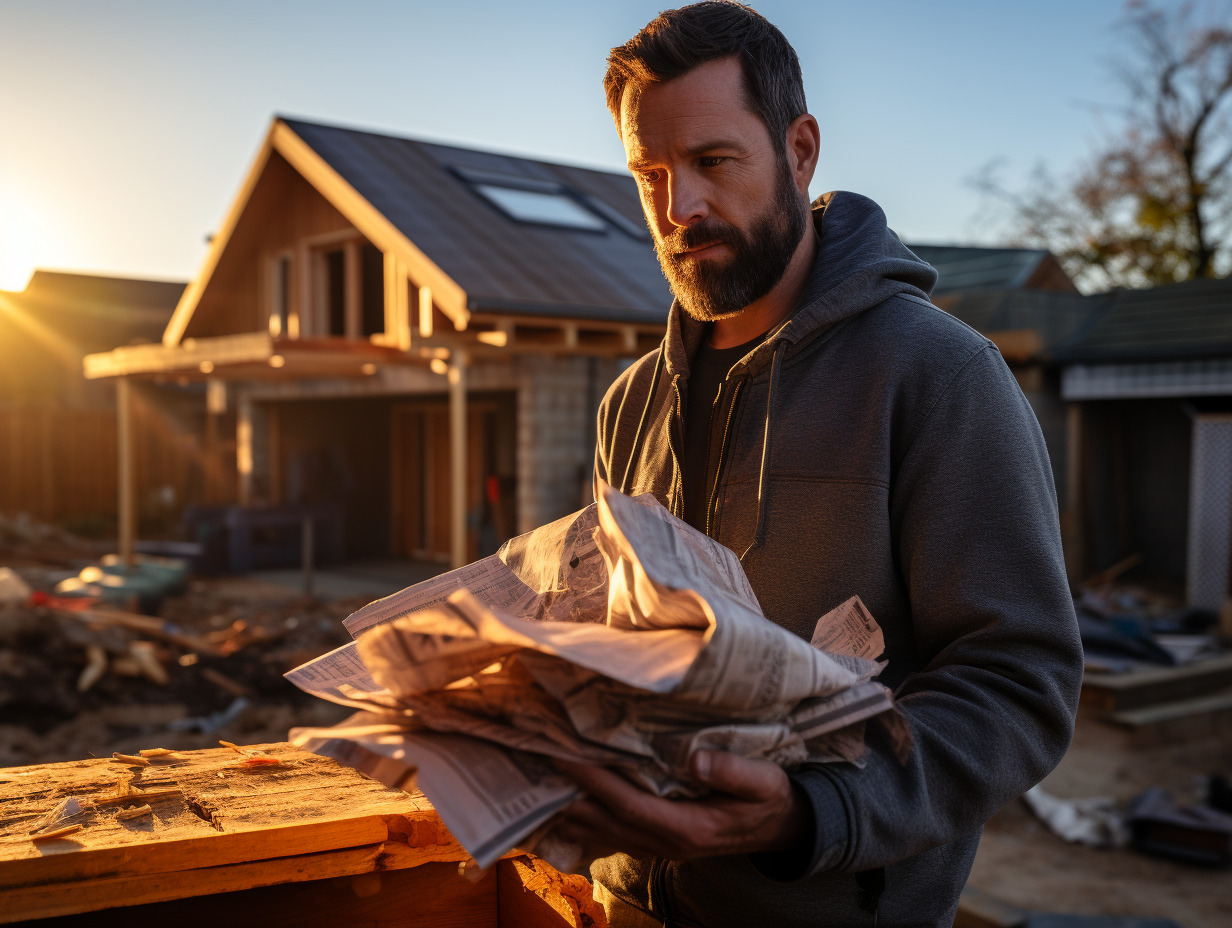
[{"x": 265, "y": 628}]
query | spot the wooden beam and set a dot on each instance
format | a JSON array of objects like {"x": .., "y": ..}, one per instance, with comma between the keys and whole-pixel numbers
[
  {"x": 127, "y": 489},
  {"x": 425, "y": 312},
  {"x": 243, "y": 448},
  {"x": 630, "y": 338},
  {"x": 457, "y": 458},
  {"x": 354, "y": 293}
]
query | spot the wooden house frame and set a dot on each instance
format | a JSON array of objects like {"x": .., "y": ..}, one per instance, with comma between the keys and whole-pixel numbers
[{"x": 352, "y": 264}]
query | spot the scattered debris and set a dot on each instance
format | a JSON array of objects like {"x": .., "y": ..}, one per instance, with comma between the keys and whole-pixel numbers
[
  {"x": 130, "y": 759},
  {"x": 1194, "y": 834},
  {"x": 58, "y": 833},
  {"x": 78, "y": 679},
  {"x": 13, "y": 589},
  {"x": 1094, "y": 822},
  {"x": 125, "y": 815},
  {"x": 64, "y": 810}
]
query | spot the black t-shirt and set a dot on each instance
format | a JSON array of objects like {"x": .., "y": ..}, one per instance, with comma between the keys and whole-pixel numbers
[{"x": 701, "y": 438}]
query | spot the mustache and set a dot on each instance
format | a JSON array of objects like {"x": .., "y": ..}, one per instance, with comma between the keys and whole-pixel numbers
[{"x": 706, "y": 232}]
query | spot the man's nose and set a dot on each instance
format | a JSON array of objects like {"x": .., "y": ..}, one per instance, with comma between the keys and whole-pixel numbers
[{"x": 686, "y": 201}]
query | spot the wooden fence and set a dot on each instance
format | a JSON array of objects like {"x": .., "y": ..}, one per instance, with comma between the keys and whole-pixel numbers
[{"x": 58, "y": 464}]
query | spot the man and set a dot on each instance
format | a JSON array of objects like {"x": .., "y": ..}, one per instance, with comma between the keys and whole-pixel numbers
[{"x": 812, "y": 411}]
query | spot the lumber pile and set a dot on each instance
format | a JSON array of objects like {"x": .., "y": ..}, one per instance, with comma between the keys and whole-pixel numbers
[{"x": 265, "y": 834}]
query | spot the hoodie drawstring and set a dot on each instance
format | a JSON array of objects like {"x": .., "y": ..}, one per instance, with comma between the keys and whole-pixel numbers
[
  {"x": 763, "y": 494},
  {"x": 641, "y": 423}
]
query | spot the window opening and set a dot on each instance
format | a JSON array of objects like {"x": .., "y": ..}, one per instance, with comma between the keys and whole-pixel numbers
[
  {"x": 335, "y": 291},
  {"x": 372, "y": 270}
]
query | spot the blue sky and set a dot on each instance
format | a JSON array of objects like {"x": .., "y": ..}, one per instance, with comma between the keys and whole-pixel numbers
[{"x": 126, "y": 126}]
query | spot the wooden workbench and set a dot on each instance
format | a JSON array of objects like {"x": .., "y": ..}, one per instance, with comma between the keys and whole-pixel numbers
[{"x": 304, "y": 843}]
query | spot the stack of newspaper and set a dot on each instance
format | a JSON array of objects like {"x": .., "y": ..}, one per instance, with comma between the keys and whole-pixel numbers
[{"x": 618, "y": 636}]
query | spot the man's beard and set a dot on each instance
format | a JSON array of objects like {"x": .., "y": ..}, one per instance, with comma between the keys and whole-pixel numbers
[{"x": 712, "y": 290}]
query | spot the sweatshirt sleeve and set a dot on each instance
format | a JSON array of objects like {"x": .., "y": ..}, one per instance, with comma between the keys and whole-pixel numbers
[{"x": 974, "y": 513}]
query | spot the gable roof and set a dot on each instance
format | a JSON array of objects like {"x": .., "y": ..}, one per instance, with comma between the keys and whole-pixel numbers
[
  {"x": 421, "y": 202},
  {"x": 963, "y": 268},
  {"x": 501, "y": 263},
  {"x": 47, "y": 328},
  {"x": 1174, "y": 322}
]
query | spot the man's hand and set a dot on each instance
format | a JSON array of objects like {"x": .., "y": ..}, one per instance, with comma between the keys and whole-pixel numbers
[{"x": 754, "y": 808}]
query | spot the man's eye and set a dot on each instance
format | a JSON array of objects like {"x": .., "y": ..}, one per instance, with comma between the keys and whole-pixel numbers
[{"x": 710, "y": 161}]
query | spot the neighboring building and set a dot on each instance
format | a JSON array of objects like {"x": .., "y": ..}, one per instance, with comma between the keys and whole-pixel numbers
[
  {"x": 58, "y": 431},
  {"x": 1148, "y": 382}
]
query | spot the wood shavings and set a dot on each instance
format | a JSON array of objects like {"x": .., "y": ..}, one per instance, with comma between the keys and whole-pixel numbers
[
  {"x": 131, "y": 759},
  {"x": 138, "y": 794},
  {"x": 260, "y": 760},
  {"x": 124, "y": 815},
  {"x": 65, "y": 809},
  {"x": 58, "y": 833},
  {"x": 233, "y": 746},
  {"x": 96, "y": 666},
  {"x": 161, "y": 752}
]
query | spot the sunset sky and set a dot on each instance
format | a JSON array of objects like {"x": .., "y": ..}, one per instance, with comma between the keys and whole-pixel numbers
[{"x": 126, "y": 126}]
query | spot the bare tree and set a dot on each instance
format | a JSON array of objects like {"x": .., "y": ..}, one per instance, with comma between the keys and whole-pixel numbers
[{"x": 1154, "y": 205}]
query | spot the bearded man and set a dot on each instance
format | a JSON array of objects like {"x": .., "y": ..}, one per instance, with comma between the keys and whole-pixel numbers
[{"x": 811, "y": 410}]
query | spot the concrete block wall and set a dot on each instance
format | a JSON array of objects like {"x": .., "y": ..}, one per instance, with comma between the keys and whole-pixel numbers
[{"x": 557, "y": 402}]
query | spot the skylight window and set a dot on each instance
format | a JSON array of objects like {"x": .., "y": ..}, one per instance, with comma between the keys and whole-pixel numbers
[{"x": 549, "y": 207}]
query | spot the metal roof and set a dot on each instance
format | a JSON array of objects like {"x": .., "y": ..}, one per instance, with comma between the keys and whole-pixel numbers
[
  {"x": 429, "y": 193},
  {"x": 1178, "y": 321}
]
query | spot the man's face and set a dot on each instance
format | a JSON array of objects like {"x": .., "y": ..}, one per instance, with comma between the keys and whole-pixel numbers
[{"x": 722, "y": 205}]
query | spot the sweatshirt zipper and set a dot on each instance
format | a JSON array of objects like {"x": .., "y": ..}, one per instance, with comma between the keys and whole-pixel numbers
[
  {"x": 718, "y": 470},
  {"x": 673, "y": 437}
]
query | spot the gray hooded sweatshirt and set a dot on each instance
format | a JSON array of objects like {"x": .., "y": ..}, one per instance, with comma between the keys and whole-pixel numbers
[{"x": 875, "y": 446}]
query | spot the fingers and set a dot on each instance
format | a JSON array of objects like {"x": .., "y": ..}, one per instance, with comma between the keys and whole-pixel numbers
[
  {"x": 587, "y": 823},
  {"x": 743, "y": 777}
]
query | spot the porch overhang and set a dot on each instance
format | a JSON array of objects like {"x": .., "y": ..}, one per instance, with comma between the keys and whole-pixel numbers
[{"x": 250, "y": 356}]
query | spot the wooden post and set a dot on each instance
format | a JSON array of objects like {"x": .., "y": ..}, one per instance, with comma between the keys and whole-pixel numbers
[
  {"x": 243, "y": 448},
  {"x": 306, "y": 552},
  {"x": 127, "y": 491},
  {"x": 1075, "y": 498},
  {"x": 425, "y": 312},
  {"x": 457, "y": 458}
]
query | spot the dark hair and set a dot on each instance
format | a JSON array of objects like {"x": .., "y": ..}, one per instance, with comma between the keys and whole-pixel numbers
[{"x": 677, "y": 41}]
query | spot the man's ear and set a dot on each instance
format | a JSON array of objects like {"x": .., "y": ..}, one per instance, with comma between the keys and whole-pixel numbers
[{"x": 803, "y": 150}]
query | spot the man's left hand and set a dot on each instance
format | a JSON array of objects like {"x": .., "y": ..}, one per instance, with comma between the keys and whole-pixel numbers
[{"x": 753, "y": 807}]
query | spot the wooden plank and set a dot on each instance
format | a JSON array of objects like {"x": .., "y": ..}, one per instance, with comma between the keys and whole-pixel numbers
[
  {"x": 534, "y": 894},
  {"x": 428, "y": 896},
  {"x": 126, "y": 494},
  {"x": 1134, "y": 690},
  {"x": 458, "y": 459},
  {"x": 225, "y": 818},
  {"x": 1178, "y": 721}
]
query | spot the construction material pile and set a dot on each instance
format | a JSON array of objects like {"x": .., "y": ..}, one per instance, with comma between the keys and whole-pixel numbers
[
  {"x": 619, "y": 636},
  {"x": 79, "y": 677}
]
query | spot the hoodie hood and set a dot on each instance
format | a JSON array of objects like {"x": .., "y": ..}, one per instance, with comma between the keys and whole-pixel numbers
[{"x": 860, "y": 263}]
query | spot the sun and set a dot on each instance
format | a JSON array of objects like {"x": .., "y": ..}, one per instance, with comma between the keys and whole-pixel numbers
[{"x": 14, "y": 275}]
